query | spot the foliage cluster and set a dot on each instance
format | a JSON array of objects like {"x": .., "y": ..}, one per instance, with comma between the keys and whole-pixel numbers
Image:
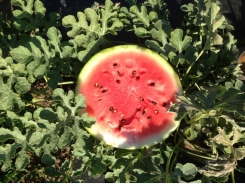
[{"x": 38, "y": 123}]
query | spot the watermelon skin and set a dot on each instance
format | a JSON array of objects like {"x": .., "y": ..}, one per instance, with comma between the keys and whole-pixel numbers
[{"x": 128, "y": 91}]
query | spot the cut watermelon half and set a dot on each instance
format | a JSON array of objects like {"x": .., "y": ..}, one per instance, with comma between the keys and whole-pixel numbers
[{"x": 128, "y": 91}]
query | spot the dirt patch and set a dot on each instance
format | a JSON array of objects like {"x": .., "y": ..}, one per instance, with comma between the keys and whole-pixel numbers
[{"x": 43, "y": 94}]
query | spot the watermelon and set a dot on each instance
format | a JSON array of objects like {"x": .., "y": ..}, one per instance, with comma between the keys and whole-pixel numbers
[{"x": 128, "y": 90}]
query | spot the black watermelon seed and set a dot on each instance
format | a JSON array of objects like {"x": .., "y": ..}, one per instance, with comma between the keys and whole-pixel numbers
[
  {"x": 118, "y": 81},
  {"x": 143, "y": 112},
  {"x": 164, "y": 104},
  {"x": 153, "y": 103},
  {"x": 111, "y": 108},
  {"x": 149, "y": 117},
  {"x": 103, "y": 91},
  {"x": 141, "y": 98},
  {"x": 119, "y": 127},
  {"x": 152, "y": 84},
  {"x": 123, "y": 120},
  {"x": 114, "y": 64},
  {"x": 138, "y": 78},
  {"x": 133, "y": 72}
]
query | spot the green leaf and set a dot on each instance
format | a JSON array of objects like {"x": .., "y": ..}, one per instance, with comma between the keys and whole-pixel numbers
[
  {"x": 228, "y": 138},
  {"x": 97, "y": 27},
  {"x": 239, "y": 153},
  {"x": 183, "y": 106},
  {"x": 232, "y": 100},
  {"x": 215, "y": 21},
  {"x": 97, "y": 167},
  {"x": 48, "y": 159},
  {"x": 22, "y": 160},
  {"x": 190, "y": 133},
  {"x": 73, "y": 107},
  {"x": 48, "y": 114},
  {"x": 187, "y": 171},
  {"x": 87, "y": 121},
  {"x": 161, "y": 32},
  {"x": 66, "y": 138},
  {"x": 145, "y": 177},
  {"x": 7, "y": 152},
  {"x": 141, "y": 32},
  {"x": 7, "y": 97},
  {"x": 92, "y": 26},
  {"x": 218, "y": 170},
  {"x": 26, "y": 7},
  {"x": 122, "y": 168},
  {"x": 22, "y": 85},
  {"x": 32, "y": 12},
  {"x": 177, "y": 42},
  {"x": 142, "y": 17},
  {"x": 36, "y": 62},
  {"x": 91, "y": 48},
  {"x": 83, "y": 141},
  {"x": 54, "y": 78},
  {"x": 54, "y": 36},
  {"x": 21, "y": 54}
]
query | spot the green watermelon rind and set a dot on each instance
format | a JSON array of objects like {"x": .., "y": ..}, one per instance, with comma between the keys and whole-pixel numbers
[{"x": 93, "y": 63}]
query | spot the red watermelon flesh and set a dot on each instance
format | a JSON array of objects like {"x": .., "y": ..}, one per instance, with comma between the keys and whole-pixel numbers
[{"x": 128, "y": 91}]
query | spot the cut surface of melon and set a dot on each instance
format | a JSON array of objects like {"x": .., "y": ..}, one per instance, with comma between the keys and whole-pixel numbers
[{"x": 128, "y": 91}]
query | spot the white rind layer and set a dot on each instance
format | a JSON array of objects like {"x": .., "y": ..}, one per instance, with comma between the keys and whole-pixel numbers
[{"x": 124, "y": 143}]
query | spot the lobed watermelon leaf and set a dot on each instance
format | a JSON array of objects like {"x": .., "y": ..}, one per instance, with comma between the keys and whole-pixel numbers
[
  {"x": 43, "y": 142},
  {"x": 187, "y": 171},
  {"x": 12, "y": 77},
  {"x": 7, "y": 153},
  {"x": 177, "y": 42},
  {"x": 160, "y": 33},
  {"x": 92, "y": 26},
  {"x": 30, "y": 16},
  {"x": 144, "y": 166},
  {"x": 144, "y": 15},
  {"x": 216, "y": 98},
  {"x": 25, "y": 21},
  {"x": 39, "y": 57}
]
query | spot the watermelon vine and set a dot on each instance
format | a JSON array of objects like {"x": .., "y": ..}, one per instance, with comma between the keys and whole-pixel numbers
[{"x": 42, "y": 134}]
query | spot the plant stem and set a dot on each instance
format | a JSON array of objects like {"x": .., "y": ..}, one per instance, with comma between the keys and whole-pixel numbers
[
  {"x": 240, "y": 169},
  {"x": 168, "y": 169},
  {"x": 199, "y": 55},
  {"x": 66, "y": 83},
  {"x": 71, "y": 165},
  {"x": 38, "y": 100},
  {"x": 233, "y": 176},
  {"x": 69, "y": 171},
  {"x": 33, "y": 103},
  {"x": 174, "y": 160},
  {"x": 45, "y": 78},
  {"x": 197, "y": 155},
  {"x": 175, "y": 135}
]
